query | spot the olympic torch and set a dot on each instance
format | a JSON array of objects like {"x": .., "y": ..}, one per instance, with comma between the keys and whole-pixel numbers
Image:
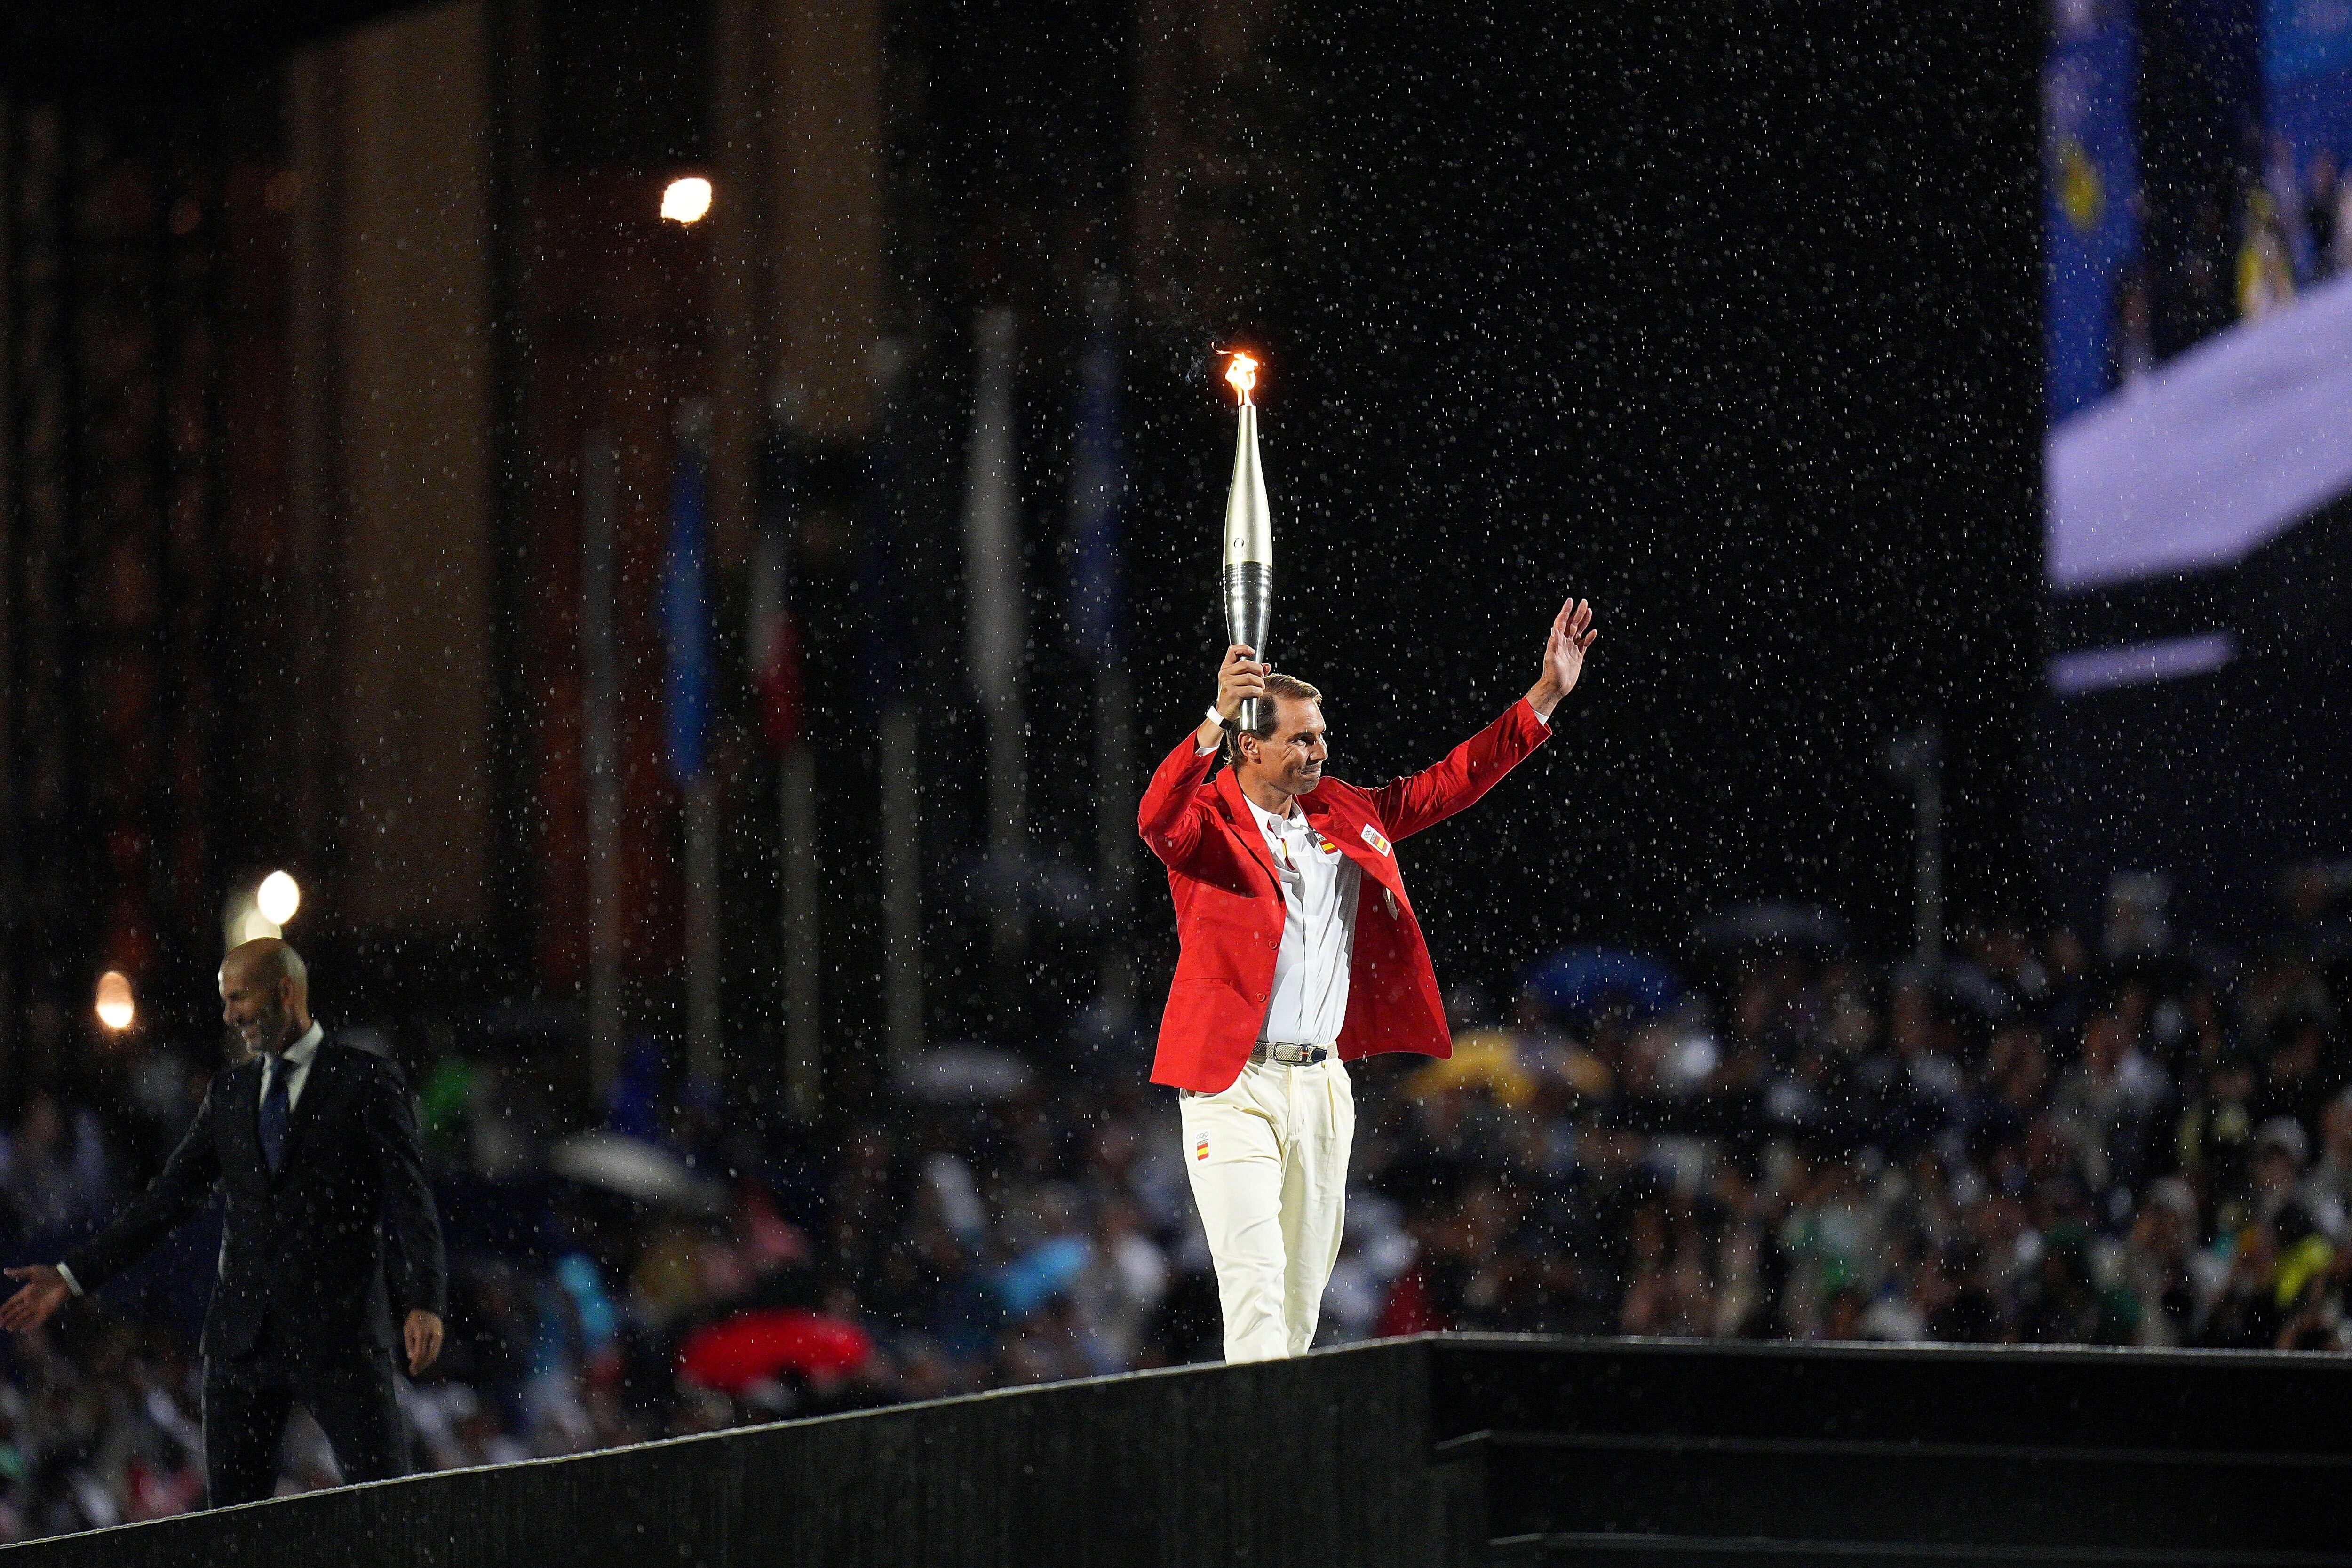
[{"x": 1249, "y": 534}]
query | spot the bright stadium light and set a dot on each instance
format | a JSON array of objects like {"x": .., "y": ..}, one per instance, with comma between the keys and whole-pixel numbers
[
  {"x": 116, "y": 1008},
  {"x": 255, "y": 909},
  {"x": 687, "y": 199},
  {"x": 278, "y": 897}
]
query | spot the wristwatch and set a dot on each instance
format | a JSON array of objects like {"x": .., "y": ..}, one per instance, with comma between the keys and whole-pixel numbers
[{"x": 1215, "y": 718}]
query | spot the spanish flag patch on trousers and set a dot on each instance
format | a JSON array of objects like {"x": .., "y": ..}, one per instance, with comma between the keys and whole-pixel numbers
[{"x": 1200, "y": 1150}]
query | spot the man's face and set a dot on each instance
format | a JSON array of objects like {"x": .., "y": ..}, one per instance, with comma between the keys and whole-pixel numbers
[
  {"x": 1292, "y": 758},
  {"x": 258, "y": 1010}
]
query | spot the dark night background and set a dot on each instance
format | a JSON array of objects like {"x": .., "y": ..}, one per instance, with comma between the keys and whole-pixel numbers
[{"x": 1721, "y": 317}]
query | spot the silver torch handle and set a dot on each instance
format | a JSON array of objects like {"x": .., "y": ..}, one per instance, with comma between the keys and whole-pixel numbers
[{"x": 1249, "y": 604}]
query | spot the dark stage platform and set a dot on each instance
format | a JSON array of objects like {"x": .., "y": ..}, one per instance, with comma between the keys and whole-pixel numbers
[{"x": 1440, "y": 1450}]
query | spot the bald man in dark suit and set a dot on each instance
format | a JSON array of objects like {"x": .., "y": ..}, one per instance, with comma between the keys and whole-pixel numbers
[{"x": 329, "y": 1228}]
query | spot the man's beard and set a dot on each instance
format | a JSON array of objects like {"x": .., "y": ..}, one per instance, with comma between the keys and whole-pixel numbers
[{"x": 269, "y": 1032}]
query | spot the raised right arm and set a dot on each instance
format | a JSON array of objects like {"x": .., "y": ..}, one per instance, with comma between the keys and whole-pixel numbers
[{"x": 1171, "y": 817}]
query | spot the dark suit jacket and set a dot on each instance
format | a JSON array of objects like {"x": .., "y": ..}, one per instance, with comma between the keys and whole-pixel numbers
[{"x": 307, "y": 1249}]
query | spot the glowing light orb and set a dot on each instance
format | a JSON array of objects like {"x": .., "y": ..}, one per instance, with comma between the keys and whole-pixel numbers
[
  {"x": 687, "y": 199},
  {"x": 116, "y": 1007},
  {"x": 278, "y": 897}
]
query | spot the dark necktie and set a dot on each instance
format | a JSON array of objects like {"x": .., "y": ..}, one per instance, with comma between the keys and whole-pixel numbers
[{"x": 275, "y": 1109}]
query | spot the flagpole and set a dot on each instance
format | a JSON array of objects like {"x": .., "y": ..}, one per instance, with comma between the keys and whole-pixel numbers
[
  {"x": 704, "y": 1058},
  {"x": 775, "y": 653},
  {"x": 687, "y": 608},
  {"x": 901, "y": 739},
  {"x": 1008, "y": 805},
  {"x": 996, "y": 631},
  {"x": 804, "y": 936},
  {"x": 902, "y": 896},
  {"x": 1116, "y": 794},
  {"x": 1095, "y": 492},
  {"x": 599, "y": 696}
]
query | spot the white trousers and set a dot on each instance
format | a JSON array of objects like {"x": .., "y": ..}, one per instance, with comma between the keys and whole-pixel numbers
[{"x": 1268, "y": 1158}]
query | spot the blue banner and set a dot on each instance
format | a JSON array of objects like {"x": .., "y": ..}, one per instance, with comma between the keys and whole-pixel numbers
[
  {"x": 2091, "y": 182},
  {"x": 2307, "y": 75}
]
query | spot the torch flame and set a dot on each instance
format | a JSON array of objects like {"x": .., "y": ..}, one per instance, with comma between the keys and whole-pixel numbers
[{"x": 1242, "y": 373}]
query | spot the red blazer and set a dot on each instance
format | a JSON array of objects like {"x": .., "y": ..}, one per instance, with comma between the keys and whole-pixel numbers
[{"x": 1229, "y": 902}]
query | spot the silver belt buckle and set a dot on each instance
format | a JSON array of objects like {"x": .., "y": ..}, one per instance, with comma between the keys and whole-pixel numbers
[{"x": 1289, "y": 1053}]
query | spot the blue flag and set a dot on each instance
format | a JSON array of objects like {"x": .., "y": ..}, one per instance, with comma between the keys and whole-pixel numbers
[
  {"x": 687, "y": 632},
  {"x": 1096, "y": 484},
  {"x": 2308, "y": 77}
]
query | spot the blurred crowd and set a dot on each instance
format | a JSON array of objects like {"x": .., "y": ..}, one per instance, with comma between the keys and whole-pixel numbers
[{"x": 2042, "y": 1139}]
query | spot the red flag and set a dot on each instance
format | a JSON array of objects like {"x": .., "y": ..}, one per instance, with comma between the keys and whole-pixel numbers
[
  {"x": 776, "y": 684},
  {"x": 774, "y": 647}
]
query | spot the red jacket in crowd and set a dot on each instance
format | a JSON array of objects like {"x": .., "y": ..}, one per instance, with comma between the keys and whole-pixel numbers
[{"x": 1229, "y": 913}]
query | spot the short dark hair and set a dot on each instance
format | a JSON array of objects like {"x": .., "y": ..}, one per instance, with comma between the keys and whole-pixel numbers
[{"x": 1288, "y": 686}]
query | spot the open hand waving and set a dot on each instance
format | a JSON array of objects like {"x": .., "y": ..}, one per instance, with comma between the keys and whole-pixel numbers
[{"x": 1572, "y": 634}]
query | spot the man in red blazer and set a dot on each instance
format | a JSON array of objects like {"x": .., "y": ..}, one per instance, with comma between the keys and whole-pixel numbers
[{"x": 1299, "y": 950}]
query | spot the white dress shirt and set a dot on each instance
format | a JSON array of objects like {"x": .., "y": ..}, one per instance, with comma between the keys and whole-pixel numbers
[
  {"x": 1320, "y": 887},
  {"x": 1319, "y": 890},
  {"x": 294, "y": 1062}
]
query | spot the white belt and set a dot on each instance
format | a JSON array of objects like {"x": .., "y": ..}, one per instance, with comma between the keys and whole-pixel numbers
[{"x": 1288, "y": 1053}]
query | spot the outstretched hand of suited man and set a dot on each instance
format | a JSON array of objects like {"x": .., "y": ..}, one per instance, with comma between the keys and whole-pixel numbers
[
  {"x": 45, "y": 1290},
  {"x": 37, "y": 1301}
]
